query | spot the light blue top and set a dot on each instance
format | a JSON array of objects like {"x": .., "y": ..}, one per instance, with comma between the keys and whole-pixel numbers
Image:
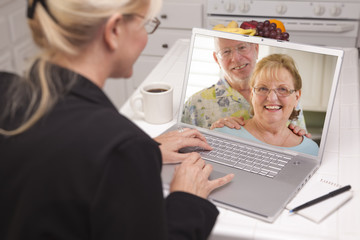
[{"x": 307, "y": 146}]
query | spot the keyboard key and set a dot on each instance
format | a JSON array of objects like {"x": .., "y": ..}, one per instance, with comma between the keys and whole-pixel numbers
[{"x": 240, "y": 156}]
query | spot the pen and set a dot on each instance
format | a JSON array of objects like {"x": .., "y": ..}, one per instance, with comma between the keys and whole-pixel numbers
[{"x": 322, "y": 198}]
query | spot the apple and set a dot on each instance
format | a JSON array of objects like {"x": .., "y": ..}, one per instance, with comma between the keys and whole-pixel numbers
[{"x": 249, "y": 24}]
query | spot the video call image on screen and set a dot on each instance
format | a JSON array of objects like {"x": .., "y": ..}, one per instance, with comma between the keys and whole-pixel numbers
[{"x": 316, "y": 71}]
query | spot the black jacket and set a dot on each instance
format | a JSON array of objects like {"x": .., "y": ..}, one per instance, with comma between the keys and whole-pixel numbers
[{"x": 84, "y": 171}]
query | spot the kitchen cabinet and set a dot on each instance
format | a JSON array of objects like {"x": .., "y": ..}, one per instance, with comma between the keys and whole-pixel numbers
[
  {"x": 16, "y": 46},
  {"x": 177, "y": 17}
]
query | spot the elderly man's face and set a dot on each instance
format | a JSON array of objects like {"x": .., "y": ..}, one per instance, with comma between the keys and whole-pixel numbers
[{"x": 236, "y": 59}]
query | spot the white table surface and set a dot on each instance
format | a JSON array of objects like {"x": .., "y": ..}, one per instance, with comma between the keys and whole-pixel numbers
[{"x": 341, "y": 163}]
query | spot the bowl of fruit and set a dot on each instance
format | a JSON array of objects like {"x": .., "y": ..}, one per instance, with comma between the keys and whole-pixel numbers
[
  {"x": 271, "y": 28},
  {"x": 233, "y": 27}
]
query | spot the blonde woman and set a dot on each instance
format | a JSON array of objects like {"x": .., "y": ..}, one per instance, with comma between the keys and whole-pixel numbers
[{"x": 72, "y": 167}]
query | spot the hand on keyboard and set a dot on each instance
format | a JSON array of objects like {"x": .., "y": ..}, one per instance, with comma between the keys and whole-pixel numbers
[
  {"x": 192, "y": 149},
  {"x": 172, "y": 142},
  {"x": 192, "y": 176}
]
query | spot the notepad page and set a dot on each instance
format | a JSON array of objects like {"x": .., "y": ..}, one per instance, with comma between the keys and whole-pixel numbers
[{"x": 316, "y": 187}]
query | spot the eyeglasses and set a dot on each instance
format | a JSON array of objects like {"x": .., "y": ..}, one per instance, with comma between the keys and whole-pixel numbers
[
  {"x": 280, "y": 91},
  {"x": 150, "y": 25},
  {"x": 226, "y": 53}
]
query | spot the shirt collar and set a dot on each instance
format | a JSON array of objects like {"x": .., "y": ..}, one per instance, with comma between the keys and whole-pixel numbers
[{"x": 84, "y": 88}]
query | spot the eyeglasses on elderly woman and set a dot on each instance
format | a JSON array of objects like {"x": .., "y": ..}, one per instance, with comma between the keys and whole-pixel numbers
[{"x": 280, "y": 91}]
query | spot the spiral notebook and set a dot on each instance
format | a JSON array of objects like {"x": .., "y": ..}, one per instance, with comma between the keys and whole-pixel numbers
[{"x": 316, "y": 187}]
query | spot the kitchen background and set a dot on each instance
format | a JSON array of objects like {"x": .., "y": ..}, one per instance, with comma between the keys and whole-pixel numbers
[{"x": 320, "y": 22}]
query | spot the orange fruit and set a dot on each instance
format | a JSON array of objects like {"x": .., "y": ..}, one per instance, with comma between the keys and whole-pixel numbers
[{"x": 279, "y": 24}]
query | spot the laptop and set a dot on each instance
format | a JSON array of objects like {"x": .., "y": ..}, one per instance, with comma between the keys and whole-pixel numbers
[{"x": 262, "y": 194}]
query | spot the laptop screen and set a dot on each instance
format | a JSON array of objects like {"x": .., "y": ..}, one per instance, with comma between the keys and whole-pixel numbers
[{"x": 218, "y": 86}]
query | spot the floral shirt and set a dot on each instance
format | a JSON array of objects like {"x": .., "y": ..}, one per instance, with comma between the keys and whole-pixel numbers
[{"x": 219, "y": 101}]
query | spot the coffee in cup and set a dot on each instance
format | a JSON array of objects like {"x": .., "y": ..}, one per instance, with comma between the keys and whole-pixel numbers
[{"x": 157, "y": 102}]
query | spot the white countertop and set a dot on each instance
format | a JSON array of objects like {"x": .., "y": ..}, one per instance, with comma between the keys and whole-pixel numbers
[{"x": 341, "y": 163}]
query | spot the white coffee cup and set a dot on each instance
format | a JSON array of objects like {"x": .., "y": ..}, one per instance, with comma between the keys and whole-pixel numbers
[{"x": 157, "y": 102}]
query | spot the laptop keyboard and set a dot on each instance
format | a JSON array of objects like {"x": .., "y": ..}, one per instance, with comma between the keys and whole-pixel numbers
[{"x": 244, "y": 157}]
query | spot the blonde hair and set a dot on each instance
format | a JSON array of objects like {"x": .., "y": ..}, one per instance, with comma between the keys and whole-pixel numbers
[
  {"x": 66, "y": 27},
  {"x": 268, "y": 68}
]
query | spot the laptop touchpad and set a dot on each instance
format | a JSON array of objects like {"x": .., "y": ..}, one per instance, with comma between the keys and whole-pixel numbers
[{"x": 216, "y": 174}]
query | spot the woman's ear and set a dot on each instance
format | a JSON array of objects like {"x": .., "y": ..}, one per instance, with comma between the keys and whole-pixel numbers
[{"x": 112, "y": 31}]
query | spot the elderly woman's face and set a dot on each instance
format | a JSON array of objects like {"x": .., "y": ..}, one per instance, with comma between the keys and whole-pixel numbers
[{"x": 273, "y": 99}]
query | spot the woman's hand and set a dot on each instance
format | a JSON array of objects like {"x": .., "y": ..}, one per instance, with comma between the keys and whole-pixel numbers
[
  {"x": 192, "y": 176},
  {"x": 172, "y": 142},
  {"x": 230, "y": 122},
  {"x": 299, "y": 131}
]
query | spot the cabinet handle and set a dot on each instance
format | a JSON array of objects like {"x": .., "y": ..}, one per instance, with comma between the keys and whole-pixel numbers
[
  {"x": 163, "y": 16},
  {"x": 165, "y": 45}
]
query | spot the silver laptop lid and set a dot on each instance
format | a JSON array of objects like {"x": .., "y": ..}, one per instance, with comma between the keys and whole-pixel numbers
[{"x": 318, "y": 66}]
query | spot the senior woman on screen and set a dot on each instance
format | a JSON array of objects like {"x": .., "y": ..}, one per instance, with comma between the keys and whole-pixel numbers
[{"x": 275, "y": 92}]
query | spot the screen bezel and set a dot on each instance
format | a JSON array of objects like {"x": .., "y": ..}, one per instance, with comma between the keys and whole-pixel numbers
[{"x": 338, "y": 53}]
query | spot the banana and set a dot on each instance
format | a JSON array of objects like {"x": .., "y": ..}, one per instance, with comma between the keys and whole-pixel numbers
[
  {"x": 219, "y": 26},
  {"x": 250, "y": 32},
  {"x": 233, "y": 24}
]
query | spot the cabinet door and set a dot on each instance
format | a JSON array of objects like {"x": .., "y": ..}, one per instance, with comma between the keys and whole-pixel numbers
[
  {"x": 116, "y": 90},
  {"x": 163, "y": 39},
  {"x": 3, "y": 2},
  {"x": 6, "y": 62},
  {"x": 24, "y": 54},
  {"x": 5, "y": 39},
  {"x": 18, "y": 23},
  {"x": 16, "y": 45},
  {"x": 142, "y": 68},
  {"x": 181, "y": 15},
  {"x": 119, "y": 90}
]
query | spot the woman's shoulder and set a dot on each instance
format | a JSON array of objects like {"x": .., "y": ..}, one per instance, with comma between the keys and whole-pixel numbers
[
  {"x": 309, "y": 141},
  {"x": 102, "y": 121},
  {"x": 6, "y": 81},
  {"x": 242, "y": 132},
  {"x": 7, "y": 77},
  {"x": 94, "y": 132},
  {"x": 303, "y": 141},
  {"x": 309, "y": 146}
]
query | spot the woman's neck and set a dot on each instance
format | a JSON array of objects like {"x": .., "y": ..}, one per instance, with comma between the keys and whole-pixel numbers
[
  {"x": 86, "y": 64},
  {"x": 277, "y": 134}
]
